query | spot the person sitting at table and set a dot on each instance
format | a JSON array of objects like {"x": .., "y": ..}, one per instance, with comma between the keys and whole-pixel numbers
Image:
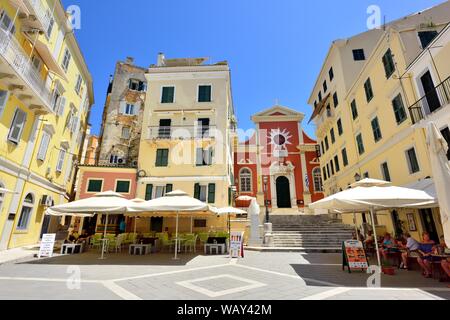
[
  {"x": 411, "y": 250},
  {"x": 445, "y": 264},
  {"x": 369, "y": 240},
  {"x": 73, "y": 237},
  {"x": 387, "y": 246},
  {"x": 426, "y": 250}
]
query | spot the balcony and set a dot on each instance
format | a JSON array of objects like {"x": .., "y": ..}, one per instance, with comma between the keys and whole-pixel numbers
[
  {"x": 17, "y": 71},
  {"x": 182, "y": 133},
  {"x": 432, "y": 102},
  {"x": 38, "y": 17}
]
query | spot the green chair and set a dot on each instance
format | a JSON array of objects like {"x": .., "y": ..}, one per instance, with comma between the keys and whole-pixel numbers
[
  {"x": 95, "y": 240},
  {"x": 191, "y": 243},
  {"x": 204, "y": 236}
]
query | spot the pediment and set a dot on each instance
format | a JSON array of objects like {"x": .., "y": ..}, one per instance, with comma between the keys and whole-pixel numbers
[{"x": 277, "y": 113}]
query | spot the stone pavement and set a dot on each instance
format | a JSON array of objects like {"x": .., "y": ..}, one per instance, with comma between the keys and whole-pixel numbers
[
  {"x": 260, "y": 276},
  {"x": 12, "y": 255}
]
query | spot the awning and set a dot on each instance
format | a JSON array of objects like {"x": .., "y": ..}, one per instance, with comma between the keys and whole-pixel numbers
[
  {"x": 47, "y": 57},
  {"x": 18, "y": 4},
  {"x": 319, "y": 108}
]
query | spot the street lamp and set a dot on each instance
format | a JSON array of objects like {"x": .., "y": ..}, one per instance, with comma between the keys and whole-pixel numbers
[
  {"x": 357, "y": 177},
  {"x": 266, "y": 201}
]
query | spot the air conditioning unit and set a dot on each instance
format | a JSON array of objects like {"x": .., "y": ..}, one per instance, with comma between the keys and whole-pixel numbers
[
  {"x": 47, "y": 201},
  {"x": 120, "y": 161}
]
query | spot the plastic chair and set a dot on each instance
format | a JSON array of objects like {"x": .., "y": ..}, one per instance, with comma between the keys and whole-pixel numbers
[{"x": 191, "y": 243}]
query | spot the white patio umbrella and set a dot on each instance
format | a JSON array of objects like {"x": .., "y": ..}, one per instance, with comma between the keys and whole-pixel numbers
[
  {"x": 108, "y": 202},
  {"x": 177, "y": 202},
  {"x": 441, "y": 173},
  {"x": 369, "y": 182},
  {"x": 362, "y": 199},
  {"x": 227, "y": 211}
]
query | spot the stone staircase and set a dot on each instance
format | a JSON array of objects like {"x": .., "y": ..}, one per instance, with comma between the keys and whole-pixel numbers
[{"x": 309, "y": 234}]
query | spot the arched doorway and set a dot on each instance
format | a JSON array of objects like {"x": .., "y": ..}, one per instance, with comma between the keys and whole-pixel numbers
[{"x": 283, "y": 193}]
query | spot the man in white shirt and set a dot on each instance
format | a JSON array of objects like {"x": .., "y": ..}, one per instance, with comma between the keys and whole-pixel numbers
[{"x": 412, "y": 246}]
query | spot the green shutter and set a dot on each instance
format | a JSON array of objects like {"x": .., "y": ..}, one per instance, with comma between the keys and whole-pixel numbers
[
  {"x": 197, "y": 191},
  {"x": 212, "y": 193},
  {"x": 148, "y": 192},
  {"x": 230, "y": 193},
  {"x": 169, "y": 188},
  {"x": 162, "y": 157}
]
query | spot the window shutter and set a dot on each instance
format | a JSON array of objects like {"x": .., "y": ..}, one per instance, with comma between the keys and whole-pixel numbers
[
  {"x": 230, "y": 193},
  {"x": 17, "y": 126},
  {"x": 199, "y": 157},
  {"x": 197, "y": 191},
  {"x": 61, "y": 106},
  {"x": 212, "y": 193},
  {"x": 3, "y": 98},
  {"x": 169, "y": 188},
  {"x": 148, "y": 192},
  {"x": 74, "y": 124},
  {"x": 43, "y": 147},
  {"x": 122, "y": 107}
]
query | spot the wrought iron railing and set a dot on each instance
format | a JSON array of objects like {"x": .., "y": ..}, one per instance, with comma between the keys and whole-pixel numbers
[
  {"x": 182, "y": 132},
  {"x": 431, "y": 102}
]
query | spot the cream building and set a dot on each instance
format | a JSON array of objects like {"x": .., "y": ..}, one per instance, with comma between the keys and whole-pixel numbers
[
  {"x": 361, "y": 105},
  {"x": 188, "y": 127},
  {"x": 45, "y": 99}
]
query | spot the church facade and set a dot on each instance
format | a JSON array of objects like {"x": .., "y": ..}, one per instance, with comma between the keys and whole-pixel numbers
[{"x": 279, "y": 164}]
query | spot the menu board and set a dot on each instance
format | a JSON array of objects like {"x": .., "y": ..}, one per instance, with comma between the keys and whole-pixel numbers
[
  {"x": 354, "y": 256},
  {"x": 237, "y": 244},
  {"x": 47, "y": 245}
]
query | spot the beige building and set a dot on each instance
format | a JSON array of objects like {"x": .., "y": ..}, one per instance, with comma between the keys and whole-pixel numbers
[
  {"x": 364, "y": 125},
  {"x": 188, "y": 127}
]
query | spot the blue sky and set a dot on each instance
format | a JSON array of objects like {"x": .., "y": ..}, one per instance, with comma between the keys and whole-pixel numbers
[{"x": 275, "y": 47}]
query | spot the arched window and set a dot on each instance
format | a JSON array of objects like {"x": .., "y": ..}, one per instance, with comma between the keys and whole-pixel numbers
[
  {"x": 245, "y": 177},
  {"x": 25, "y": 214},
  {"x": 317, "y": 176}
]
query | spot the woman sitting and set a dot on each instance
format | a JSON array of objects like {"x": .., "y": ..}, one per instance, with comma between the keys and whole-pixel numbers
[
  {"x": 388, "y": 246},
  {"x": 426, "y": 251}
]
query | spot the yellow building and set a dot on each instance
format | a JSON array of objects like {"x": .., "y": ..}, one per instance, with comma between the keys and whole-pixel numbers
[
  {"x": 361, "y": 105},
  {"x": 45, "y": 97},
  {"x": 187, "y": 132}
]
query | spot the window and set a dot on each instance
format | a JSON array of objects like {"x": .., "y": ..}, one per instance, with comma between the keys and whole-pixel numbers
[
  {"x": 6, "y": 23},
  {"x": 426, "y": 37},
  {"x": 168, "y": 95},
  {"x": 17, "y": 126},
  {"x": 323, "y": 149},
  {"x": 366, "y": 175},
  {"x": 399, "y": 109},
  {"x": 376, "y": 129},
  {"x": 204, "y": 94},
  {"x": 385, "y": 171},
  {"x": 333, "y": 136},
  {"x": 324, "y": 170},
  {"x": 320, "y": 96},
  {"x": 25, "y": 214},
  {"x": 164, "y": 130},
  {"x": 148, "y": 192},
  {"x": 137, "y": 85},
  {"x": 43, "y": 147},
  {"x": 336, "y": 163},
  {"x": 66, "y": 60},
  {"x": 200, "y": 223},
  {"x": 368, "y": 89},
  {"x": 204, "y": 157},
  {"x": 123, "y": 186},
  {"x": 325, "y": 87},
  {"x": 331, "y": 74},
  {"x": 413, "y": 163},
  {"x": 327, "y": 145},
  {"x": 446, "y": 134},
  {"x": 332, "y": 167},
  {"x": 388, "y": 63},
  {"x": 205, "y": 193},
  {"x": 358, "y": 55},
  {"x": 335, "y": 100},
  {"x": 345, "y": 157},
  {"x": 129, "y": 109},
  {"x": 61, "y": 159},
  {"x": 95, "y": 186},
  {"x": 203, "y": 127},
  {"x": 126, "y": 133},
  {"x": 51, "y": 23},
  {"x": 360, "y": 143},
  {"x": 162, "y": 157},
  {"x": 3, "y": 99},
  {"x": 36, "y": 63},
  {"x": 78, "y": 85},
  {"x": 354, "y": 110},
  {"x": 340, "y": 128},
  {"x": 159, "y": 192},
  {"x": 245, "y": 177},
  {"x": 317, "y": 177},
  {"x": 328, "y": 171}
]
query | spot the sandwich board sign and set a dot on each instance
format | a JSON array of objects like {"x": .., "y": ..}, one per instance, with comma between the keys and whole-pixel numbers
[
  {"x": 237, "y": 244},
  {"x": 47, "y": 245},
  {"x": 354, "y": 256}
]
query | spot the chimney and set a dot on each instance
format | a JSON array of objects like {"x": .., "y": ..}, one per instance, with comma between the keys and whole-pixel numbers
[
  {"x": 161, "y": 60},
  {"x": 129, "y": 60}
]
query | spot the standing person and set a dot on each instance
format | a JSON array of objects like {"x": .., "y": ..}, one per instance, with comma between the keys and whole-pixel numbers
[
  {"x": 412, "y": 246},
  {"x": 426, "y": 251}
]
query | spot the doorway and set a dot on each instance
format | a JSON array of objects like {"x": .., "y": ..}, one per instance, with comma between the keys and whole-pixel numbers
[
  {"x": 398, "y": 225},
  {"x": 430, "y": 92},
  {"x": 428, "y": 223},
  {"x": 156, "y": 224},
  {"x": 283, "y": 193}
]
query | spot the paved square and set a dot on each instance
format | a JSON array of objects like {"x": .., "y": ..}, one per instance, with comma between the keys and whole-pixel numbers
[{"x": 218, "y": 286}]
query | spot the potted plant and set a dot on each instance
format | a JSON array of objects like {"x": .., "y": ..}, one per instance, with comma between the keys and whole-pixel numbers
[{"x": 388, "y": 269}]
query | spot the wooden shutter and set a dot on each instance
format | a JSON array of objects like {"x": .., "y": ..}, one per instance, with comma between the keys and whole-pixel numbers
[
  {"x": 61, "y": 106},
  {"x": 148, "y": 192},
  {"x": 169, "y": 188},
  {"x": 212, "y": 193},
  {"x": 43, "y": 146},
  {"x": 17, "y": 126},
  {"x": 197, "y": 191},
  {"x": 199, "y": 157},
  {"x": 3, "y": 100}
]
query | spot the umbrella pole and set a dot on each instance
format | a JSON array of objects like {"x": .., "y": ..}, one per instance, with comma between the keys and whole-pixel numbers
[
  {"x": 135, "y": 238},
  {"x": 372, "y": 214},
  {"x": 192, "y": 223},
  {"x": 356, "y": 226},
  {"x": 104, "y": 237},
  {"x": 176, "y": 239}
]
